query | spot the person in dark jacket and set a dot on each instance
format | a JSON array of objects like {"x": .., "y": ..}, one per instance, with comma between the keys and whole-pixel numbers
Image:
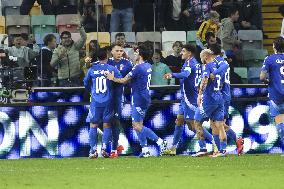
[{"x": 45, "y": 70}]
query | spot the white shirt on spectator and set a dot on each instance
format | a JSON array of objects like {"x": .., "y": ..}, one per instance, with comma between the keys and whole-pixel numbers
[{"x": 176, "y": 9}]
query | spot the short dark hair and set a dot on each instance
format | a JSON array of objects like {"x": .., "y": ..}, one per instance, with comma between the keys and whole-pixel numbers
[
  {"x": 119, "y": 35},
  {"x": 233, "y": 10},
  {"x": 65, "y": 33},
  {"x": 208, "y": 35},
  {"x": 189, "y": 47},
  {"x": 177, "y": 43},
  {"x": 115, "y": 44},
  {"x": 48, "y": 38},
  {"x": 279, "y": 44},
  {"x": 145, "y": 52},
  {"x": 25, "y": 36},
  {"x": 158, "y": 51},
  {"x": 281, "y": 10},
  {"x": 102, "y": 54},
  {"x": 216, "y": 49}
]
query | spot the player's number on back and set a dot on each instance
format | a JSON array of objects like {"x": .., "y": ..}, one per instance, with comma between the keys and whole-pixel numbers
[
  {"x": 101, "y": 84},
  {"x": 218, "y": 83},
  {"x": 149, "y": 82},
  {"x": 282, "y": 74},
  {"x": 197, "y": 77}
]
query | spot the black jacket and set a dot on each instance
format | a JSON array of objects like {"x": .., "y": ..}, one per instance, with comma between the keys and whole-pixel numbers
[
  {"x": 122, "y": 4},
  {"x": 167, "y": 9}
]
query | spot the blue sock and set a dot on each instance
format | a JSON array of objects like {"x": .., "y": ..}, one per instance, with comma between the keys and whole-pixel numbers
[
  {"x": 142, "y": 139},
  {"x": 207, "y": 135},
  {"x": 231, "y": 134},
  {"x": 93, "y": 138},
  {"x": 149, "y": 134},
  {"x": 217, "y": 141},
  {"x": 106, "y": 137},
  {"x": 115, "y": 136},
  {"x": 202, "y": 144},
  {"x": 223, "y": 145},
  {"x": 280, "y": 129},
  {"x": 177, "y": 134}
]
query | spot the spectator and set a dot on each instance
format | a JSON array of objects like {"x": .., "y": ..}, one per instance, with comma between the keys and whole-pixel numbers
[
  {"x": 175, "y": 15},
  {"x": 87, "y": 9},
  {"x": 144, "y": 15},
  {"x": 199, "y": 11},
  {"x": 45, "y": 71},
  {"x": 93, "y": 49},
  {"x": 66, "y": 58},
  {"x": 121, "y": 16},
  {"x": 211, "y": 25},
  {"x": 27, "y": 5},
  {"x": 221, "y": 6},
  {"x": 174, "y": 60},
  {"x": 128, "y": 49},
  {"x": 281, "y": 10},
  {"x": 24, "y": 54},
  {"x": 211, "y": 39},
  {"x": 159, "y": 69},
  {"x": 248, "y": 16},
  {"x": 228, "y": 32}
]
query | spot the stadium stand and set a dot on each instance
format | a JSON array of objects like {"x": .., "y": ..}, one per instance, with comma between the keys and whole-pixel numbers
[
  {"x": 154, "y": 37},
  {"x": 102, "y": 37},
  {"x": 43, "y": 24},
  {"x": 17, "y": 24},
  {"x": 191, "y": 37},
  {"x": 251, "y": 39},
  {"x": 11, "y": 7},
  {"x": 65, "y": 6},
  {"x": 2, "y": 24},
  {"x": 169, "y": 37},
  {"x": 129, "y": 37},
  {"x": 39, "y": 38},
  {"x": 63, "y": 23},
  {"x": 36, "y": 10}
]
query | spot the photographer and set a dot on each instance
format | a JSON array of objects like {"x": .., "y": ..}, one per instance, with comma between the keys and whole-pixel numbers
[{"x": 66, "y": 58}]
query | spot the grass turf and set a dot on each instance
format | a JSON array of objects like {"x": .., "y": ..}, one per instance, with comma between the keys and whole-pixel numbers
[{"x": 247, "y": 171}]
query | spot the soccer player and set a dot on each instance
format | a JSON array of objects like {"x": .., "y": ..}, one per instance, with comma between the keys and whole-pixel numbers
[
  {"x": 189, "y": 81},
  {"x": 124, "y": 66},
  {"x": 210, "y": 104},
  {"x": 140, "y": 78},
  {"x": 273, "y": 66},
  {"x": 101, "y": 109},
  {"x": 223, "y": 70}
]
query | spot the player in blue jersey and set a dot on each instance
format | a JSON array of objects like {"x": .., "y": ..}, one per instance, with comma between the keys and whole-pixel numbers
[
  {"x": 101, "y": 109},
  {"x": 140, "y": 78},
  {"x": 189, "y": 81},
  {"x": 273, "y": 66},
  {"x": 124, "y": 66},
  {"x": 210, "y": 104},
  {"x": 223, "y": 69}
]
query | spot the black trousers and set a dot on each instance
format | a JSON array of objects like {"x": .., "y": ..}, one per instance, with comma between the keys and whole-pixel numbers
[{"x": 27, "y": 5}]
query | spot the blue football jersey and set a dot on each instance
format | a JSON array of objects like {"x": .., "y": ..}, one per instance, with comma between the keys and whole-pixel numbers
[
  {"x": 124, "y": 66},
  {"x": 274, "y": 66},
  {"x": 140, "y": 82},
  {"x": 189, "y": 81},
  {"x": 223, "y": 70},
  {"x": 212, "y": 93},
  {"x": 101, "y": 87}
]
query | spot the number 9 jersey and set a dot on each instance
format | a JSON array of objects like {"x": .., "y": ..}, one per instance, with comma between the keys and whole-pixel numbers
[
  {"x": 101, "y": 87},
  {"x": 274, "y": 66}
]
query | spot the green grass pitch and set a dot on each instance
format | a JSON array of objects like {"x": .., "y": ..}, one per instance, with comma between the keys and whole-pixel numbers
[{"x": 247, "y": 171}]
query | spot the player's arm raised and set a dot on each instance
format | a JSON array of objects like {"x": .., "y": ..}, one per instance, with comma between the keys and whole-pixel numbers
[{"x": 184, "y": 74}]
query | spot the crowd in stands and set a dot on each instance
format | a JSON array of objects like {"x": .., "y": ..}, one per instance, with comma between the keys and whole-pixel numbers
[{"x": 63, "y": 62}]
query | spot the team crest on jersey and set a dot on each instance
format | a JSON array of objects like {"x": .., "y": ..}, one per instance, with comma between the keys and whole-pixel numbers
[{"x": 121, "y": 67}]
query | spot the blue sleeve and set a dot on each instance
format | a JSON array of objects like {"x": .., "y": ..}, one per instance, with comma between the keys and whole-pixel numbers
[
  {"x": 133, "y": 72},
  {"x": 222, "y": 68},
  {"x": 265, "y": 66},
  {"x": 127, "y": 68},
  {"x": 183, "y": 74},
  {"x": 87, "y": 80}
]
